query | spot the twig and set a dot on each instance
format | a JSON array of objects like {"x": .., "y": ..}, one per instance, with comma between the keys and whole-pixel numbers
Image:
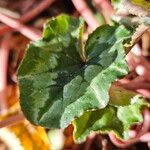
[
  {"x": 138, "y": 85},
  {"x": 140, "y": 65},
  {"x": 29, "y": 15},
  {"x": 146, "y": 68},
  {"x": 36, "y": 11},
  {"x": 86, "y": 13},
  {"x": 145, "y": 43},
  {"x": 132, "y": 85},
  {"x": 144, "y": 92},
  {"x": 104, "y": 7},
  {"x": 4, "y": 54},
  {"x": 145, "y": 137},
  {"x": 9, "y": 12},
  {"x": 26, "y": 31},
  {"x": 105, "y": 4},
  {"x": 11, "y": 120}
]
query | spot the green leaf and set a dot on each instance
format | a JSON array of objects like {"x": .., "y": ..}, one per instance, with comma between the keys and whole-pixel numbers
[
  {"x": 103, "y": 120},
  {"x": 47, "y": 67},
  {"x": 60, "y": 78},
  {"x": 137, "y": 18},
  {"x": 115, "y": 118},
  {"x": 105, "y": 55},
  {"x": 134, "y": 7}
]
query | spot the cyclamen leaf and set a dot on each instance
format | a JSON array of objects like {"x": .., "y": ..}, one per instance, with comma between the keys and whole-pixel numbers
[
  {"x": 115, "y": 118},
  {"x": 139, "y": 10},
  {"x": 48, "y": 65},
  {"x": 120, "y": 96},
  {"x": 59, "y": 81},
  {"x": 138, "y": 20},
  {"x": 137, "y": 26},
  {"x": 135, "y": 7},
  {"x": 103, "y": 120},
  {"x": 105, "y": 64}
]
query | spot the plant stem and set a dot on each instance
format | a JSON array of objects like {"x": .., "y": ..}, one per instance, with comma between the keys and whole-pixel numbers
[
  {"x": 132, "y": 85},
  {"x": 29, "y": 15},
  {"x": 105, "y": 8},
  {"x": 11, "y": 120},
  {"x": 4, "y": 54},
  {"x": 86, "y": 13},
  {"x": 26, "y": 31}
]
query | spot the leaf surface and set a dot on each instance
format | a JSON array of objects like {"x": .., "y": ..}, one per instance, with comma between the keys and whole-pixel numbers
[
  {"x": 137, "y": 18},
  {"x": 135, "y": 7},
  {"x": 60, "y": 78},
  {"x": 114, "y": 118}
]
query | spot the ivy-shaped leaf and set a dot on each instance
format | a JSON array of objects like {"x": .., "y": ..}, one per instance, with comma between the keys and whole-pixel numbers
[
  {"x": 60, "y": 78},
  {"x": 116, "y": 117},
  {"x": 137, "y": 26},
  {"x": 106, "y": 63},
  {"x": 135, "y": 7},
  {"x": 138, "y": 20}
]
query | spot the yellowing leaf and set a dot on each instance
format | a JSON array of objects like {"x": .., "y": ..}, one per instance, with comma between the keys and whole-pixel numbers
[
  {"x": 143, "y": 3},
  {"x": 31, "y": 137}
]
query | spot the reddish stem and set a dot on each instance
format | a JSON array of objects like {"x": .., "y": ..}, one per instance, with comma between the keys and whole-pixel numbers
[
  {"x": 26, "y": 31},
  {"x": 86, "y": 13},
  {"x": 132, "y": 85},
  {"x": 145, "y": 137},
  {"x": 36, "y": 11},
  {"x": 4, "y": 54},
  {"x": 144, "y": 92},
  {"x": 105, "y": 8},
  {"x": 11, "y": 120},
  {"x": 29, "y": 15},
  {"x": 105, "y": 5},
  {"x": 138, "y": 85}
]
